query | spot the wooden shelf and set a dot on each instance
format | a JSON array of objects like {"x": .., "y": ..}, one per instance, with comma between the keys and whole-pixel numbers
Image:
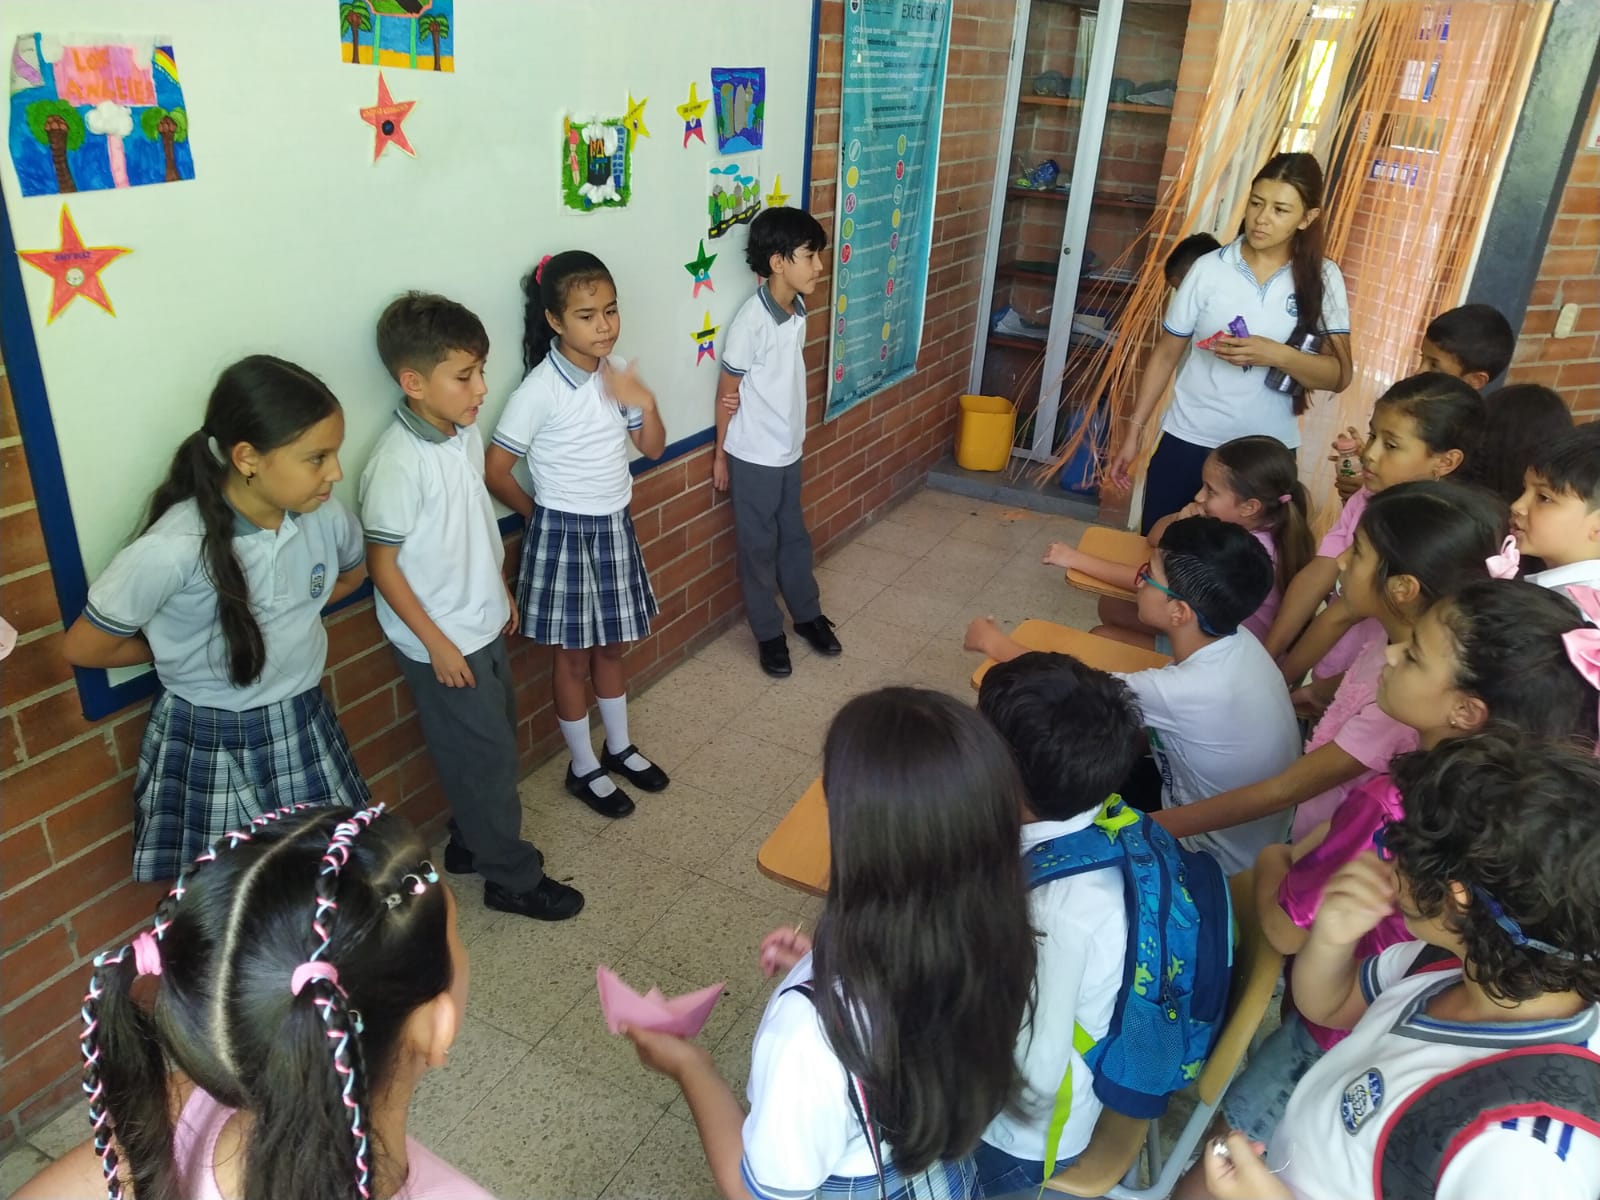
[
  {"x": 1015, "y": 270},
  {"x": 1114, "y": 106},
  {"x": 1012, "y": 342},
  {"x": 1022, "y": 193}
]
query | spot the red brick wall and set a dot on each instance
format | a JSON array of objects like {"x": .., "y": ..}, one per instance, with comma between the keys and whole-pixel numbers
[
  {"x": 1568, "y": 274},
  {"x": 65, "y": 845}
]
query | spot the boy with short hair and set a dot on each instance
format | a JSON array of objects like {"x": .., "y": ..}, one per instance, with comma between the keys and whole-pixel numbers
[
  {"x": 1185, "y": 254},
  {"x": 761, "y": 429},
  {"x": 1219, "y": 716},
  {"x": 1557, "y": 517},
  {"x": 436, "y": 559}
]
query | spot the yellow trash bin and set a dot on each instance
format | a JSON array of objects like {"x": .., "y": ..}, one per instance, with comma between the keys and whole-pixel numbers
[{"x": 984, "y": 433}]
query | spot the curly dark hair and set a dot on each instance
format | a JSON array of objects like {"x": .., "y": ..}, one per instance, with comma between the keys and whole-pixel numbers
[{"x": 1512, "y": 819}]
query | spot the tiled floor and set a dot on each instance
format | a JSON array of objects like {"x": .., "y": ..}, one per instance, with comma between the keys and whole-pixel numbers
[{"x": 538, "y": 1100}]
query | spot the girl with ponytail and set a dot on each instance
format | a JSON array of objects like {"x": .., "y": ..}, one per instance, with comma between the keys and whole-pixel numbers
[
  {"x": 223, "y": 590},
  {"x": 299, "y": 979}
]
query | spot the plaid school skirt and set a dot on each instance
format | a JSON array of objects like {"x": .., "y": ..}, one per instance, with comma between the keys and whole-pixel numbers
[
  {"x": 583, "y": 581},
  {"x": 204, "y": 771},
  {"x": 956, "y": 1180}
]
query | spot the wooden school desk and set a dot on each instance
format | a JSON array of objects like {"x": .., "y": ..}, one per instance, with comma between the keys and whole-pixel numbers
[
  {"x": 1114, "y": 545},
  {"x": 797, "y": 851}
]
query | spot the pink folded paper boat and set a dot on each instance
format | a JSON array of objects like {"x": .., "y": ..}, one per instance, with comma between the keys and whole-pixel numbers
[{"x": 683, "y": 1015}]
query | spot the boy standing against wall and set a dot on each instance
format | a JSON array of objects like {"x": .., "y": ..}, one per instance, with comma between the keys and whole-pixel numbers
[
  {"x": 761, "y": 429},
  {"x": 436, "y": 558}
]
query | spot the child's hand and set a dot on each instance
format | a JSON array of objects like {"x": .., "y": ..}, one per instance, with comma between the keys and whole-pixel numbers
[
  {"x": 1241, "y": 1173},
  {"x": 664, "y": 1053},
  {"x": 1309, "y": 704},
  {"x": 1060, "y": 555},
  {"x": 1359, "y": 896},
  {"x": 1119, "y": 474},
  {"x": 981, "y": 634},
  {"x": 1249, "y": 351},
  {"x": 1191, "y": 509},
  {"x": 719, "y": 472},
  {"x": 729, "y": 402},
  {"x": 625, "y": 386},
  {"x": 781, "y": 949},
  {"x": 450, "y": 665}
]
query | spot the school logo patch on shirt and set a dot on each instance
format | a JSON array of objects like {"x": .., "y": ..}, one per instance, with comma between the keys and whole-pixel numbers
[
  {"x": 1362, "y": 1098},
  {"x": 1293, "y": 304},
  {"x": 319, "y": 579}
]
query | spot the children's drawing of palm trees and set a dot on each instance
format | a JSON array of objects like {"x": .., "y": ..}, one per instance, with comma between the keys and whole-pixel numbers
[
  {"x": 357, "y": 18},
  {"x": 169, "y": 127},
  {"x": 436, "y": 26},
  {"x": 56, "y": 124}
]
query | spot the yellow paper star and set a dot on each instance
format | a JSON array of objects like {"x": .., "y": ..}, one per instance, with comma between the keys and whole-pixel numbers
[
  {"x": 693, "y": 108},
  {"x": 705, "y": 340},
  {"x": 634, "y": 121},
  {"x": 777, "y": 197}
]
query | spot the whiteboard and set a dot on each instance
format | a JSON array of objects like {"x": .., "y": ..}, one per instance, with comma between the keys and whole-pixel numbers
[{"x": 290, "y": 239}]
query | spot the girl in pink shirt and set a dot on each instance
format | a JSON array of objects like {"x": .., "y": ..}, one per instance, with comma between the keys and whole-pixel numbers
[
  {"x": 1252, "y": 482},
  {"x": 306, "y": 972},
  {"x": 1495, "y": 651},
  {"x": 1415, "y": 543}
]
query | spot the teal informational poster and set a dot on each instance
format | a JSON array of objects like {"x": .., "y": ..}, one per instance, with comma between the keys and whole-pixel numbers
[{"x": 895, "y": 53}]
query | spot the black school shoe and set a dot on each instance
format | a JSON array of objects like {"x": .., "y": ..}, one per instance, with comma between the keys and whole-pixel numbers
[
  {"x": 550, "y": 901},
  {"x": 819, "y": 636},
  {"x": 775, "y": 657},
  {"x": 458, "y": 859},
  {"x": 617, "y": 804},
  {"x": 651, "y": 779}
]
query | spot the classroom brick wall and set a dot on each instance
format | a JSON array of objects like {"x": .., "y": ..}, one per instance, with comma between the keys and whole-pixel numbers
[
  {"x": 1568, "y": 274},
  {"x": 66, "y": 783}
]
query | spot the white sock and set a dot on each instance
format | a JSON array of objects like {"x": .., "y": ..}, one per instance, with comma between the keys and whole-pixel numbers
[
  {"x": 614, "y": 715},
  {"x": 584, "y": 761}
]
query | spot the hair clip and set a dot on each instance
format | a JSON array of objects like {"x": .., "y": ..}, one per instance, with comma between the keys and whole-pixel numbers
[
  {"x": 216, "y": 450},
  {"x": 413, "y": 882},
  {"x": 538, "y": 272}
]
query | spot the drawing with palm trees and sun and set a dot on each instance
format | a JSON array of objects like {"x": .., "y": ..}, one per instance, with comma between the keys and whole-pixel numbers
[
  {"x": 89, "y": 113},
  {"x": 416, "y": 34}
]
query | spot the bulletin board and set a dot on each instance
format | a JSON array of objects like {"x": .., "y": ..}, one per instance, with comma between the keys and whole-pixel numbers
[{"x": 233, "y": 197}]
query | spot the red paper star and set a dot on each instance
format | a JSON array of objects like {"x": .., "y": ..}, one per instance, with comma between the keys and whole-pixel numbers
[
  {"x": 385, "y": 117},
  {"x": 75, "y": 268}
]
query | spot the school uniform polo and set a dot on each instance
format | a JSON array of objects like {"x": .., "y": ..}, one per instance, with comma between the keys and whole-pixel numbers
[
  {"x": 1213, "y": 401},
  {"x": 1585, "y": 573},
  {"x": 1083, "y": 923},
  {"x": 764, "y": 347},
  {"x": 159, "y": 584},
  {"x": 574, "y": 436},
  {"x": 423, "y": 492},
  {"x": 1329, "y": 1137}
]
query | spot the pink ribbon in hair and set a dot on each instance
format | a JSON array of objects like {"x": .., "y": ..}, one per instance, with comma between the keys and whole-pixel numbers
[
  {"x": 307, "y": 971},
  {"x": 1504, "y": 565},
  {"x": 538, "y": 272},
  {"x": 146, "y": 954},
  {"x": 1583, "y": 645}
]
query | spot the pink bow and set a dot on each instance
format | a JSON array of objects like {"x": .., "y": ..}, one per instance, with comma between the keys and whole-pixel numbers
[
  {"x": 1583, "y": 645},
  {"x": 146, "y": 954},
  {"x": 1504, "y": 565},
  {"x": 538, "y": 272}
]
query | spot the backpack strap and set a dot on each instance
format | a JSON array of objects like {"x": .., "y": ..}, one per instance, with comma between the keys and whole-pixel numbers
[
  {"x": 1434, "y": 1123},
  {"x": 858, "y": 1104},
  {"x": 1089, "y": 849}
]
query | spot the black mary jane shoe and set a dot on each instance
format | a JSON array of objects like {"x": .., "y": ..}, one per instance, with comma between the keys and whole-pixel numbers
[
  {"x": 617, "y": 804},
  {"x": 775, "y": 657},
  {"x": 650, "y": 779}
]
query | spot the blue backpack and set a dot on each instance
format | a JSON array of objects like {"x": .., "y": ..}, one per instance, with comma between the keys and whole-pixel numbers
[{"x": 1176, "y": 979}]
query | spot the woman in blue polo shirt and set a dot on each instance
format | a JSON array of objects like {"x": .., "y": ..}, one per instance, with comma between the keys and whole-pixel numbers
[{"x": 1274, "y": 278}]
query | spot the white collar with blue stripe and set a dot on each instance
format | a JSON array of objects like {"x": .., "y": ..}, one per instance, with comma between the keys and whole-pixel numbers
[
  {"x": 1233, "y": 253},
  {"x": 777, "y": 313},
  {"x": 571, "y": 373}
]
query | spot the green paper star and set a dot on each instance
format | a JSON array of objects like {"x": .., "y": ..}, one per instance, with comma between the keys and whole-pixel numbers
[{"x": 700, "y": 268}]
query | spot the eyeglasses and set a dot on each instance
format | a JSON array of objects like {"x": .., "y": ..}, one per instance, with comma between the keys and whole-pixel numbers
[
  {"x": 1143, "y": 576},
  {"x": 1507, "y": 923}
]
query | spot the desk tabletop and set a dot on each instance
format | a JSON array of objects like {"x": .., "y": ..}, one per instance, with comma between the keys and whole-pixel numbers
[
  {"x": 1116, "y": 545},
  {"x": 1101, "y": 653}
]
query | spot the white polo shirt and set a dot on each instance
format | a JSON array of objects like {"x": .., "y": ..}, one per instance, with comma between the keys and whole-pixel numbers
[
  {"x": 423, "y": 492},
  {"x": 1213, "y": 401},
  {"x": 1218, "y": 720},
  {"x": 764, "y": 345},
  {"x": 1329, "y": 1136},
  {"x": 574, "y": 436},
  {"x": 1584, "y": 573},
  {"x": 160, "y": 585},
  {"x": 1083, "y": 923}
]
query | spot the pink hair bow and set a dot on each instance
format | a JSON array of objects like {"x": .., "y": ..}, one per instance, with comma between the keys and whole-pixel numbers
[
  {"x": 1583, "y": 645},
  {"x": 1504, "y": 565},
  {"x": 538, "y": 272}
]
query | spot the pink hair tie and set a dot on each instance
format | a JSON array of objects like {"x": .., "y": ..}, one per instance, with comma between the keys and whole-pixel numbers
[
  {"x": 1285, "y": 498},
  {"x": 307, "y": 971},
  {"x": 538, "y": 272},
  {"x": 146, "y": 954},
  {"x": 1504, "y": 565}
]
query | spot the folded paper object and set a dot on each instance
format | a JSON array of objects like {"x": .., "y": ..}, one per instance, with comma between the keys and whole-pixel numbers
[{"x": 683, "y": 1015}]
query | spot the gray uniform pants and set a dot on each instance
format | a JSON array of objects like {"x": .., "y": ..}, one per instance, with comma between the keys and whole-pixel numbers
[
  {"x": 774, "y": 547},
  {"x": 472, "y": 736}
]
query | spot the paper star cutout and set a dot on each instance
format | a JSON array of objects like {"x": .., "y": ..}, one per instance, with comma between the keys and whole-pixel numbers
[
  {"x": 634, "y": 121},
  {"x": 700, "y": 268},
  {"x": 691, "y": 110},
  {"x": 75, "y": 268},
  {"x": 777, "y": 197},
  {"x": 386, "y": 117},
  {"x": 705, "y": 340}
]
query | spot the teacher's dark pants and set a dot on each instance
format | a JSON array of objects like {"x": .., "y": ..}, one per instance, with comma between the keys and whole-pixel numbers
[{"x": 1172, "y": 479}]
